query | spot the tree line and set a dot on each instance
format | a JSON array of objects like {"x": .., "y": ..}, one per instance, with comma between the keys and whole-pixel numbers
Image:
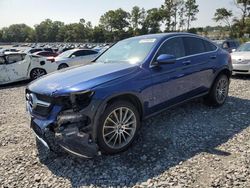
[
  {"x": 172, "y": 15},
  {"x": 237, "y": 27}
]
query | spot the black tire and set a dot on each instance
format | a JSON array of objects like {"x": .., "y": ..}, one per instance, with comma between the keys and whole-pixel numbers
[
  {"x": 62, "y": 66},
  {"x": 219, "y": 91},
  {"x": 134, "y": 127},
  {"x": 37, "y": 73}
]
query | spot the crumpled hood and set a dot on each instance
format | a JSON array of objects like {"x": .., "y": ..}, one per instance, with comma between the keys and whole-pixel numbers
[{"x": 80, "y": 78}]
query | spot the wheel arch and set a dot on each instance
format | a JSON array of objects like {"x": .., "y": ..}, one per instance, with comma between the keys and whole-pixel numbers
[
  {"x": 130, "y": 97},
  {"x": 62, "y": 64}
]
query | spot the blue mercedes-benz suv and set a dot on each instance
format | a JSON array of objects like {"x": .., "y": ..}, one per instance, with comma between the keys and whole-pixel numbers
[{"x": 99, "y": 107}]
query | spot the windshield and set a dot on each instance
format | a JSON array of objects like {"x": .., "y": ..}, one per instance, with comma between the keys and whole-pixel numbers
[
  {"x": 131, "y": 51},
  {"x": 244, "y": 48},
  {"x": 65, "y": 54}
]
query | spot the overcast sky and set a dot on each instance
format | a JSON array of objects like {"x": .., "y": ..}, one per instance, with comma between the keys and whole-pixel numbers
[{"x": 32, "y": 12}]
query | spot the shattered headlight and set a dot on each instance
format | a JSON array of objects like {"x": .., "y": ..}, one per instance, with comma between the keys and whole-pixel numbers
[{"x": 80, "y": 100}]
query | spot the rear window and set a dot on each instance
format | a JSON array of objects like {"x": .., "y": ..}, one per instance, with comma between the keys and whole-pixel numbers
[
  {"x": 12, "y": 58},
  {"x": 90, "y": 52}
]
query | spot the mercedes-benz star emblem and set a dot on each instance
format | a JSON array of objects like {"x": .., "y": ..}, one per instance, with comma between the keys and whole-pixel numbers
[{"x": 32, "y": 99}]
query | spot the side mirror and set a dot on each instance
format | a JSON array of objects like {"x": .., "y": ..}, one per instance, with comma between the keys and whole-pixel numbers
[
  {"x": 233, "y": 50},
  {"x": 165, "y": 59},
  {"x": 73, "y": 56}
]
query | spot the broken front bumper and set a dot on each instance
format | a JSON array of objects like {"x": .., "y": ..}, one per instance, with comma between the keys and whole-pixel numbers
[{"x": 68, "y": 138}]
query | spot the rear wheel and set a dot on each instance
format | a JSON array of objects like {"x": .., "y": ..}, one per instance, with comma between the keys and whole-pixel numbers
[
  {"x": 36, "y": 73},
  {"x": 118, "y": 127},
  {"x": 219, "y": 92}
]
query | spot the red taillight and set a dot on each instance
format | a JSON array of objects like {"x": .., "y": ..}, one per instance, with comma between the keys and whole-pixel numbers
[{"x": 51, "y": 60}]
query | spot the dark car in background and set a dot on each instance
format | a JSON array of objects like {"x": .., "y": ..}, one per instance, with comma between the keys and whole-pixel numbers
[
  {"x": 100, "y": 106},
  {"x": 46, "y": 54},
  {"x": 228, "y": 45}
]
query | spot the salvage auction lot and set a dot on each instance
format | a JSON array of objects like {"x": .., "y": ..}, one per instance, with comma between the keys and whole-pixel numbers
[{"x": 190, "y": 145}]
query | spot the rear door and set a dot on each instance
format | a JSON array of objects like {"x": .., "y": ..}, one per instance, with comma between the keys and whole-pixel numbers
[{"x": 201, "y": 57}]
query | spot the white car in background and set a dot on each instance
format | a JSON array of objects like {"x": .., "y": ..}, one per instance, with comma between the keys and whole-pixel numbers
[
  {"x": 241, "y": 59},
  {"x": 20, "y": 66},
  {"x": 75, "y": 57}
]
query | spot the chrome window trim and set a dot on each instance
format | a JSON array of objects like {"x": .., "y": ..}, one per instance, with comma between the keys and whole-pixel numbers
[{"x": 151, "y": 62}]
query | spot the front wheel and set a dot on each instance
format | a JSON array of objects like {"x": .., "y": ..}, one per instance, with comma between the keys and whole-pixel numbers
[
  {"x": 118, "y": 127},
  {"x": 219, "y": 91}
]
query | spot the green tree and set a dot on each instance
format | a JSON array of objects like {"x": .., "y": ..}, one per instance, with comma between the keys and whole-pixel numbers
[
  {"x": 18, "y": 33},
  {"x": 152, "y": 21},
  {"x": 1, "y": 35},
  {"x": 223, "y": 15},
  {"x": 191, "y": 9},
  {"x": 48, "y": 30},
  {"x": 137, "y": 19},
  {"x": 115, "y": 20},
  {"x": 244, "y": 6},
  {"x": 169, "y": 12},
  {"x": 181, "y": 15}
]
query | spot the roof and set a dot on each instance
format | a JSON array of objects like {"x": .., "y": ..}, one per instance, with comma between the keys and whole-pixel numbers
[{"x": 164, "y": 35}]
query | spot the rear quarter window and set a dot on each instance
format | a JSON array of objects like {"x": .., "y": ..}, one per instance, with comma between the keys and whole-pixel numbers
[{"x": 13, "y": 58}]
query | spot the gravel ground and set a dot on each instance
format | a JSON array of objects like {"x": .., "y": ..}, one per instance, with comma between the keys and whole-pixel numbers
[{"x": 191, "y": 145}]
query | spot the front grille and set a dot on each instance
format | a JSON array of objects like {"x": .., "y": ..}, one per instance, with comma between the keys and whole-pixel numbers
[
  {"x": 36, "y": 104},
  {"x": 42, "y": 111}
]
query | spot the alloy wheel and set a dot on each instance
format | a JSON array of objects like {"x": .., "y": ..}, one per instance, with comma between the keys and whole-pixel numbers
[
  {"x": 222, "y": 90},
  {"x": 119, "y": 127},
  {"x": 38, "y": 73}
]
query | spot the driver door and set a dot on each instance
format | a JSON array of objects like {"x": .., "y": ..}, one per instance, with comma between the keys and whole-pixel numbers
[{"x": 170, "y": 80}]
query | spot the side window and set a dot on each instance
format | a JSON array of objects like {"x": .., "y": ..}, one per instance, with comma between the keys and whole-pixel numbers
[
  {"x": 2, "y": 60},
  {"x": 209, "y": 46},
  {"x": 194, "y": 45},
  {"x": 13, "y": 58},
  {"x": 174, "y": 47},
  {"x": 90, "y": 52},
  {"x": 79, "y": 53},
  {"x": 45, "y": 53}
]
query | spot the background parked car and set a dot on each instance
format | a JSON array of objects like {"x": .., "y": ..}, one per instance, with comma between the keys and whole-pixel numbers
[
  {"x": 46, "y": 54},
  {"x": 241, "y": 59},
  {"x": 75, "y": 57},
  {"x": 228, "y": 45},
  {"x": 20, "y": 66}
]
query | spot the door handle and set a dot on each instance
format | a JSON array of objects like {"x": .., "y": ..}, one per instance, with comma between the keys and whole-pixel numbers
[
  {"x": 213, "y": 57},
  {"x": 186, "y": 62}
]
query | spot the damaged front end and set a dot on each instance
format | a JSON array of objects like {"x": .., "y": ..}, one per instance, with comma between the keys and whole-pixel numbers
[{"x": 68, "y": 122}]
